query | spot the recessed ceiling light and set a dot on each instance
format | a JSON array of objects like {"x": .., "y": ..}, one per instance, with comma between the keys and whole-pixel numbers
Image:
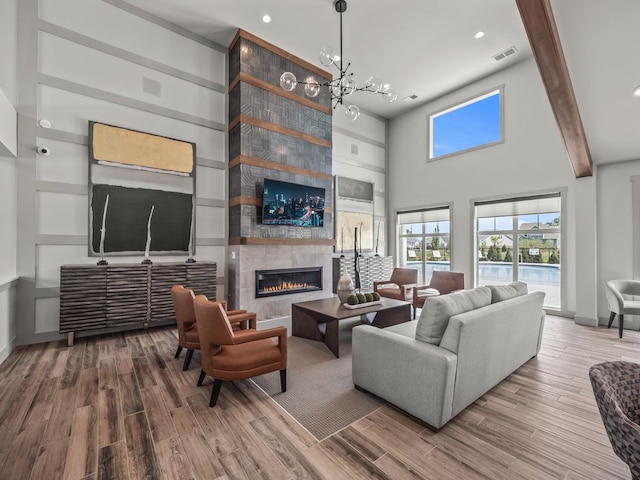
[
  {"x": 636, "y": 92},
  {"x": 266, "y": 18},
  {"x": 479, "y": 35}
]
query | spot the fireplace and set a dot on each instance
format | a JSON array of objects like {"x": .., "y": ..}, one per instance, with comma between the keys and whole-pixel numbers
[{"x": 284, "y": 281}]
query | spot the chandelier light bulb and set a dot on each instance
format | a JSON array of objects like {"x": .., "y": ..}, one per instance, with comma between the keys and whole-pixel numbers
[
  {"x": 312, "y": 88},
  {"x": 352, "y": 112},
  {"x": 348, "y": 85},
  {"x": 390, "y": 94},
  {"x": 327, "y": 56},
  {"x": 374, "y": 84},
  {"x": 288, "y": 81},
  {"x": 336, "y": 89}
]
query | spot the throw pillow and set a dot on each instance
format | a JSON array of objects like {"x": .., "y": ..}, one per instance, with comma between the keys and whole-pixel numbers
[
  {"x": 505, "y": 292},
  {"x": 435, "y": 316}
]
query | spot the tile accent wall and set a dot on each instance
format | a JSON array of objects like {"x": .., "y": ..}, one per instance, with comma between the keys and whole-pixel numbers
[{"x": 277, "y": 135}]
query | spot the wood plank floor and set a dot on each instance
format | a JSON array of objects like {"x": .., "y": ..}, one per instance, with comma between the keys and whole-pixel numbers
[{"x": 120, "y": 407}]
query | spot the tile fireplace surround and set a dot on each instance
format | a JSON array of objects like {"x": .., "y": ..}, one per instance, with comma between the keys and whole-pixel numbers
[{"x": 244, "y": 260}]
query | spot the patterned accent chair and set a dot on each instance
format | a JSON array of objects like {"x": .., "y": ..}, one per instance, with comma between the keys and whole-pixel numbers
[
  {"x": 399, "y": 286},
  {"x": 616, "y": 386}
]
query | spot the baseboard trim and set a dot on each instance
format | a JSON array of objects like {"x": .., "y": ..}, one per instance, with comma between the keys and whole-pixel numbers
[
  {"x": 7, "y": 349},
  {"x": 586, "y": 321}
]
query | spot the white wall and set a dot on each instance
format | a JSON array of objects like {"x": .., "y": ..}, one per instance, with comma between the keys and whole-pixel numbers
[
  {"x": 8, "y": 213},
  {"x": 615, "y": 230},
  {"x": 368, "y": 137},
  {"x": 532, "y": 159},
  {"x": 87, "y": 60}
]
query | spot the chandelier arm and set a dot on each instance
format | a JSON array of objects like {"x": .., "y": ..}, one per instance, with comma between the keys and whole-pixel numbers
[{"x": 344, "y": 84}]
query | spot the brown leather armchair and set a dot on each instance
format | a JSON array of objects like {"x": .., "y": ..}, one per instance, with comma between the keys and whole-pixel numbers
[
  {"x": 443, "y": 282},
  {"x": 400, "y": 284},
  {"x": 186, "y": 321},
  {"x": 229, "y": 355}
]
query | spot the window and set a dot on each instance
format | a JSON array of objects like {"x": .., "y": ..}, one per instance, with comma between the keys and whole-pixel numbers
[
  {"x": 519, "y": 239},
  {"x": 469, "y": 125},
  {"x": 424, "y": 241}
]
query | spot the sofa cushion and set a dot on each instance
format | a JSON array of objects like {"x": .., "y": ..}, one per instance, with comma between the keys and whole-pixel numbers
[
  {"x": 505, "y": 292},
  {"x": 434, "y": 318}
]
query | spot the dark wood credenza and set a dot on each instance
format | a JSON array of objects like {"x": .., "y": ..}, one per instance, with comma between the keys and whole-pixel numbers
[{"x": 94, "y": 297}]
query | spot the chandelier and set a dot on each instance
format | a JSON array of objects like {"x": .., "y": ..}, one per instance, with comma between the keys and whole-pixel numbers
[{"x": 345, "y": 84}]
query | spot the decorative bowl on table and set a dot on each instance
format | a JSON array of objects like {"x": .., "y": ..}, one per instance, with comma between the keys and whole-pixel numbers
[{"x": 361, "y": 300}]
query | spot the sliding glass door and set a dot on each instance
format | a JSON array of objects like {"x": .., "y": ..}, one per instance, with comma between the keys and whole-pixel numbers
[{"x": 519, "y": 239}]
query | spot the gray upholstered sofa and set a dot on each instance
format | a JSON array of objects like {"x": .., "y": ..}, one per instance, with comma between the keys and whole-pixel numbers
[{"x": 462, "y": 345}]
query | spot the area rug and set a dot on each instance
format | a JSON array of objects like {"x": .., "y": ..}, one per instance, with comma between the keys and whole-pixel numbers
[{"x": 320, "y": 393}]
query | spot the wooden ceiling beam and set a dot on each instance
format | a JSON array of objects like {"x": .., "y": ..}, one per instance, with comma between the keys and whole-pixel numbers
[{"x": 540, "y": 26}]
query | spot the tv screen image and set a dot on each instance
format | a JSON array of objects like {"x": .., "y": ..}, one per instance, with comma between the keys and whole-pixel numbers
[{"x": 292, "y": 204}]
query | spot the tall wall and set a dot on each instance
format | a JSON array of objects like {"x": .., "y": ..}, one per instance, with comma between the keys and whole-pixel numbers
[
  {"x": 617, "y": 235},
  {"x": 105, "y": 61},
  {"x": 532, "y": 159},
  {"x": 360, "y": 151},
  {"x": 8, "y": 169}
]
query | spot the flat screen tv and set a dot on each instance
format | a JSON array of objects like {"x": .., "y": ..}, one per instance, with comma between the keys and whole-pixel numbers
[{"x": 292, "y": 204}]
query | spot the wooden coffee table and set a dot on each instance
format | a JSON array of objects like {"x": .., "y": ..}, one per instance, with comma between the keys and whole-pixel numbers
[{"x": 318, "y": 319}]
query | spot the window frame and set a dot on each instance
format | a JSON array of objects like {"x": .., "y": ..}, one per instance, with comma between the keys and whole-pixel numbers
[
  {"x": 515, "y": 231},
  {"x": 423, "y": 236},
  {"x": 456, "y": 106}
]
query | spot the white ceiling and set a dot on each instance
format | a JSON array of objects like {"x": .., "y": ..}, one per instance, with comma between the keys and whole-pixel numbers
[
  {"x": 600, "y": 40},
  {"x": 427, "y": 48}
]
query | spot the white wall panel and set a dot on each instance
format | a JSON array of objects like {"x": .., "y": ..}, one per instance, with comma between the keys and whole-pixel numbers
[
  {"x": 50, "y": 257},
  {"x": 366, "y": 125},
  {"x": 68, "y": 163},
  {"x": 8, "y": 127},
  {"x": 47, "y": 315},
  {"x": 7, "y": 321},
  {"x": 62, "y": 214},
  {"x": 211, "y": 183},
  {"x": 617, "y": 241},
  {"x": 9, "y": 48},
  {"x": 380, "y": 207},
  {"x": 210, "y": 222},
  {"x": 213, "y": 254},
  {"x": 67, "y": 60},
  {"x": 108, "y": 24},
  {"x": 8, "y": 216},
  {"x": 70, "y": 112},
  {"x": 368, "y": 154}
]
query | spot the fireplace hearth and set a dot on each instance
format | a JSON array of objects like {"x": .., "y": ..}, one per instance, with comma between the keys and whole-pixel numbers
[{"x": 285, "y": 281}]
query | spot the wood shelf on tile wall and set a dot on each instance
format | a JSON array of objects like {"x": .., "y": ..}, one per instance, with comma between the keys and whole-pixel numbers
[
  {"x": 257, "y": 202},
  {"x": 242, "y": 118},
  {"x": 256, "y": 82},
  {"x": 281, "y": 241},
  {"x": 283, "y": 53},
  {"x": 259, "y": 162}
]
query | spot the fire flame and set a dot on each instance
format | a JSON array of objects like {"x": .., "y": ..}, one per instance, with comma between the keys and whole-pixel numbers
[{"x": 285, "y": 286}]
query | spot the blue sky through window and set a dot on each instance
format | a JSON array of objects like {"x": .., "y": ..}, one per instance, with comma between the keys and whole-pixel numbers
[{"x": 469, "y": 125}]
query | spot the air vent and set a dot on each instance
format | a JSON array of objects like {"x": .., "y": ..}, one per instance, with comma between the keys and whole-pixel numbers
[
  {"x": 508, "y": 52},
  {"x": 410, "y": 98},
  {"x": 354, "y": 149}
]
